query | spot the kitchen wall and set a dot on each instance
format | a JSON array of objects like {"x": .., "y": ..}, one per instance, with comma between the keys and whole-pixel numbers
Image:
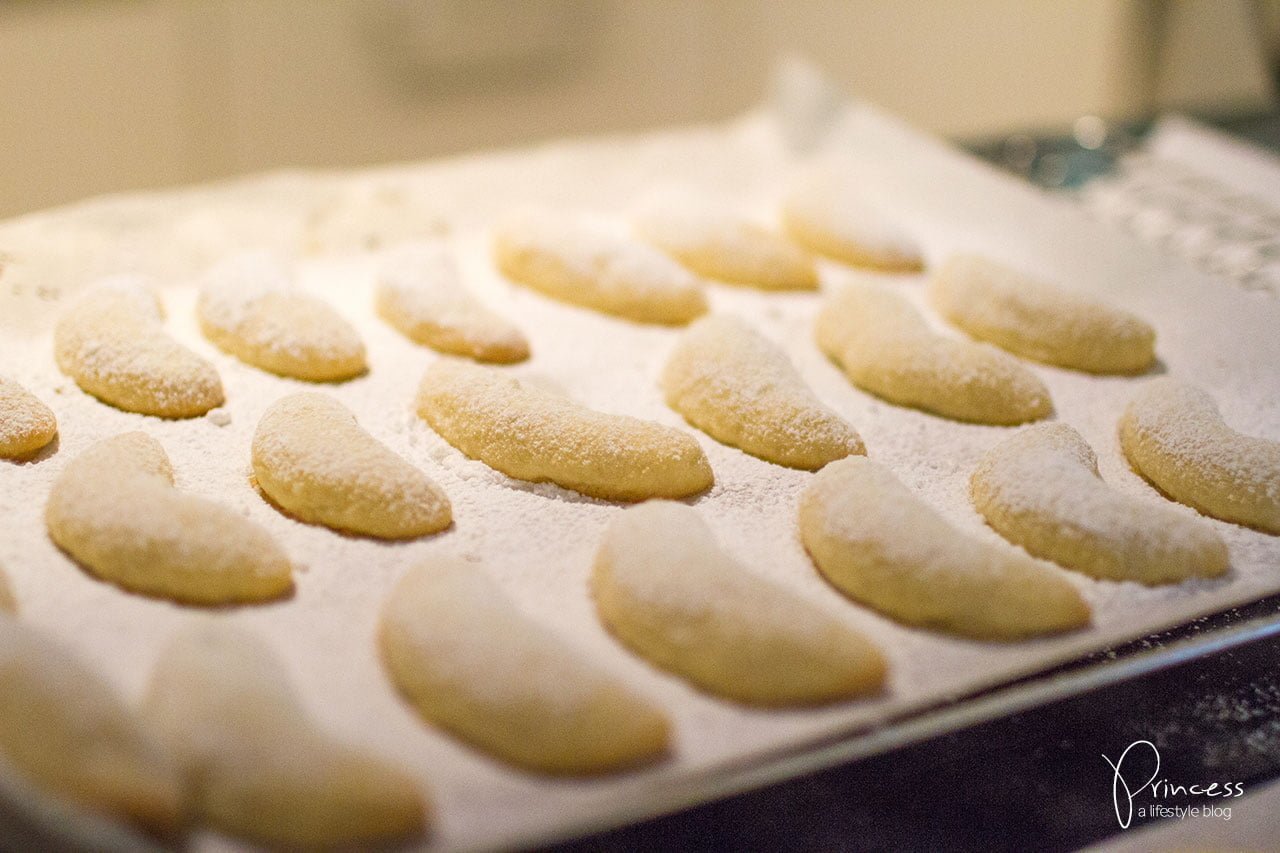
[{"x": 104, "y": 95}]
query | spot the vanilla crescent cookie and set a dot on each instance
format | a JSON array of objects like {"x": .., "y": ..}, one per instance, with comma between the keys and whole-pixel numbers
[
  {"x": 881, "y": 545},
  {"x": 1174, "y": 436},
  {"x": 716, "y": 242},
  {"x": 420, "y": 293},
  {"x": 249, "y": 308},
  {"x": 536, "y": 435},
  {"x": 257, "y": 766},
  {"x": 64, "y": 729},
  {"x": 886, "y": 348},
  {"x": 740, "y": 388},
  {"x": 26, "y": 424},
  {"x": 825, "y": 214},
  {"x": 584, "y": 263},
  {"x": 1038, "y": 320},
  {"x": 313, "y": 460},
  {"x": 111, "y": 342},
  {"x": 471, "y": 662},
  {"x": 665, "y": 588},
  {"x": 1040, "y": 489},
  {"x": 115, "y": 510}
]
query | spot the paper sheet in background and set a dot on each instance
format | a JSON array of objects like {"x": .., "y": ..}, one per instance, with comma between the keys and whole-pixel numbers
[
  {"x": 1202, "y": 195},
  {"x": 538, "y": 541}
]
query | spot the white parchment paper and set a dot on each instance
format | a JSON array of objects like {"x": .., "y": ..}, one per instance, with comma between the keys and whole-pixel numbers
[{"x": 538, "y": 541}]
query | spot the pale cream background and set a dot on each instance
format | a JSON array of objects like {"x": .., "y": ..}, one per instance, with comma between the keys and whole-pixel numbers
[{"x": 104, "y": 95}]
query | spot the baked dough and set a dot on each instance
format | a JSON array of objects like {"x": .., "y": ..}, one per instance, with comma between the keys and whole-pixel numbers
[
  {"x": 1174, "y": 436},
  {"x": 740, "y": 388},
  {"x": 313, "y": 460},
  {"x": 26, "y": 424},
  {"x": 584, "y": 263},
  {"x": 64, "y": 729},
  {"x": 110, "y": 341},
  {"x": 471, "y": 662},
  {"x": 257, "y": 766},
  {"x": 665, "y": 589},
  {"x": 825, "y": 213},
  {"x": 1038, "y": 320},
  {"x": 536, "y": 435},
  {"x": 1040, "y": 489},
  {"x": 716, "y": 242},
  {"x": 883, "y": 546},
  {"x": 421, "y": 294},
  {"x": 887, "y": 349},
  {"x": 115, "y": 510},
  {"x": 250, "y": 309}
]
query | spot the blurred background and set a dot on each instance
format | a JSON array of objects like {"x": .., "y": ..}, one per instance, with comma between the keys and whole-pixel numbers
[{"x": 106, "y": 95}]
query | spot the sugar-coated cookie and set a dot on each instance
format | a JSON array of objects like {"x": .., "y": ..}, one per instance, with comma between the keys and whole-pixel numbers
[
  {"x": 536, "y": 435},
  {"x": 64, "y": 729},
  {"x": 583, "y": 263},
  {"x": 740, "y": 388},
  {"x": 1040, "y": 489},
  {"x": 111, "y": 342},
  {"x": 26, "y": 424},
  {"x": 881, "y": 545},
  {"x": 115, "y": 510},
  {"x": 420, "y": 292},
  {"x": 665, "y": 588},
  {"x": 249, "y": 308},
  {"x": 313, "y": 460},
  {"x": 1174, "y": 436},
  {"x": 825, "y": 213},
  {"x": 716, "y": 242},
  {"x": 473, "y": 663},
  {"x": 1038, "y": 320},
  {"x": 258, "y": 767},
  {"x": 887, "y": 349}
]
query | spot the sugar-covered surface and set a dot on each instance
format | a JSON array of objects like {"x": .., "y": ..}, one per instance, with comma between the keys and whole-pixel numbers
[{"x": 538, "y": 541}]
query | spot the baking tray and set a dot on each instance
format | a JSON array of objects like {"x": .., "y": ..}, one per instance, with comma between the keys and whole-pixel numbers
[{"x": 940, "y": 684}]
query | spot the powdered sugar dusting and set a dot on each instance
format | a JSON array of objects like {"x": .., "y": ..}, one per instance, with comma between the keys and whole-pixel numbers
[
  {"x": 537, "y": 542},
  {"x": 231, "y": 288},
  {"x": 26, "y": 424},
  {"x": 1041, "y": 489},
  {"x": 1175, "y": 435}
]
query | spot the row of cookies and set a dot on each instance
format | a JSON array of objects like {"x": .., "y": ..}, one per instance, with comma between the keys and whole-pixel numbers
[
  {"x": 614, "y": 585},
  {"x": 661, "y": 585},
  {"x": 220, "y": 740}
]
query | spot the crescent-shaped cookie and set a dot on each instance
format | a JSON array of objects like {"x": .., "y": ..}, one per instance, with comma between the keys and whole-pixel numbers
[
  {"x": 716, "y": 242},
  {"x": 258, "y": 767},
  {"x": 26, "y": 424},
  {"x": 313, "y": 460},
  {"x": 532, "y": 434},
  {"x": 665, "y": 588},
  {"x": 421, "y": 294},
  {"x": 740, "y": 388},
  {"x": 583, "y": 263},
  {"x": 471, "y": 662},
  {"x": 250, "y": 309},
  {"x": 64, "y": 729},
  {"x": 1040, "y": 489},
  {"x": 881, "y": 545},
  {"x": 1038, "y": 320},
  {"x": 115, "y": 510},
  {"x": 825, "y": 213},
  {"x": 886, "y": 348},
  {"x": 111, "y": 342},
  {"x": 1174, "y": 436}
]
